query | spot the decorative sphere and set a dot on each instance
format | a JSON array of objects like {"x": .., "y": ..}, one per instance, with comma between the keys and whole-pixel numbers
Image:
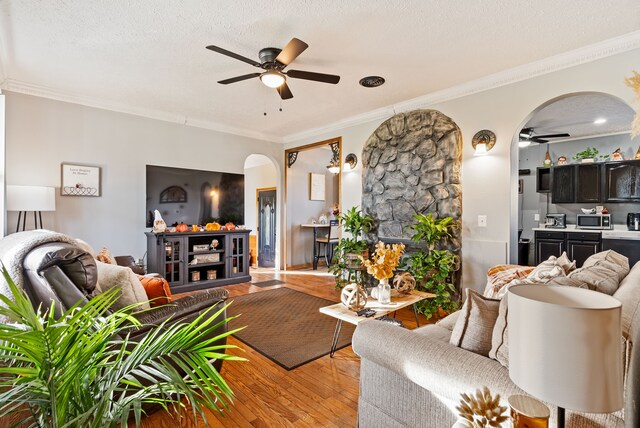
[
  {"x": 353, "y": 297},
  {"x": 404, "y": 282}
]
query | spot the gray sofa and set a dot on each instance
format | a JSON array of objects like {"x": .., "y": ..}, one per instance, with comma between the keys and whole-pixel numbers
[{"x": 413, "y": 378}]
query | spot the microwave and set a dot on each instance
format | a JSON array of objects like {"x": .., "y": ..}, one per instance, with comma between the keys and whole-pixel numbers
[{"x": 594, "y": 221}]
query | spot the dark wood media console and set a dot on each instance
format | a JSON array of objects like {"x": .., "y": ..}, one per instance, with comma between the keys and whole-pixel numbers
[{"x": 182, "y": 258}]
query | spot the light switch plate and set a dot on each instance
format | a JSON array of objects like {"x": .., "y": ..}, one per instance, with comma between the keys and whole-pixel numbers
[
  {"x": 536, "y": 217},
  {"x": 482, "y": 221}
]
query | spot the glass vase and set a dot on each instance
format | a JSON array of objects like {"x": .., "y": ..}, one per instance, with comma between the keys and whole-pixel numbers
[{"x": 384, "y": 292}]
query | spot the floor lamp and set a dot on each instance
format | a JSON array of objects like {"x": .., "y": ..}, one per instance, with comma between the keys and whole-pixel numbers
[
  {"x": 30, "y": 198},
  {"x": 564, "y": 347}
]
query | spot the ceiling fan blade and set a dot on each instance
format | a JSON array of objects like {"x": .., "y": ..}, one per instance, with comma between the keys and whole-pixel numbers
[
  {"x": 290, "y": 52},
  {"x": 316, "y": 77},
  {"x": 553, "y": 135},
  {"x": 284, "y": 91},
  {"x": 239, "y": 78},
  {"x": 233, "y": 55},
  {"x": 538, "y": 140}
]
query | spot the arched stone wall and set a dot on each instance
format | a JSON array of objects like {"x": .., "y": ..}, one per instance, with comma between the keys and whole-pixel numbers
[{"x": 411, "y": 164}]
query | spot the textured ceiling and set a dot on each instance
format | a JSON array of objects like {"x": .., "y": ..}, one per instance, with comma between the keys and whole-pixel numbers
[
  {"x": 576, "y": 114},
  {"x": 151, "y": 55}
]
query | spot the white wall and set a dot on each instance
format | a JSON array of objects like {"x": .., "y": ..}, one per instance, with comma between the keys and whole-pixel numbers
[
  {"x": 255, "y": 178},
  {"x": 300, "y": 209},
  {"x": 42, "y": 133},
  {"x": 3, "y": 218},
  {"x": 490, "y": 182}
]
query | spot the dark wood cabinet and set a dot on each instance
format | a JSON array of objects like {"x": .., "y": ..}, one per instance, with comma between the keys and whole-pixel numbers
[
  {"x": 563, "y": 184},
  {"x": 622, "y": 181},
  {"x": 582, "y": 245},
  {"x": 578, "y": 245},
  {"x": 548, "y": 244},
  {"x": 190, "y": 262},
  {"x": 543, "y": 180},
  {"x": 588, "y": 183}
]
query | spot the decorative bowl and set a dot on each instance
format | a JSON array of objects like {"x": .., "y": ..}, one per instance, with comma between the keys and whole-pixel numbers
[{"x": 588, "y": 210}]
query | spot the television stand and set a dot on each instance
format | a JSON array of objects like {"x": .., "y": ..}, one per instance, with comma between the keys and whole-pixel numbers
[{"x": 189, "y": 262}]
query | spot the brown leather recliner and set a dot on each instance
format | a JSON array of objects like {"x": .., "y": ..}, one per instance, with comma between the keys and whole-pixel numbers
[{"x": 66, "y": 275}]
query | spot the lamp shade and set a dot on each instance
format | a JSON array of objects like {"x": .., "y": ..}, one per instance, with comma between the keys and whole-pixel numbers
[
  {"x": 31, "y": 198},
  {"x": 565, "y": 346}
]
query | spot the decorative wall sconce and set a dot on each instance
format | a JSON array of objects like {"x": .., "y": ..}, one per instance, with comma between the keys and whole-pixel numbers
[
  {"x": 350, "y": 162},
  {"x": 483, "y": 141}
]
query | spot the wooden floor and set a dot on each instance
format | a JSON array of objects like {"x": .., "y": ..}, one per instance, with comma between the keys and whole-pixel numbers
[{"x": 322, "y": 393}]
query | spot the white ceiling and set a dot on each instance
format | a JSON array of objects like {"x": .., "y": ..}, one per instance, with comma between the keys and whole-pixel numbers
[
  {"x": 150, "y": 56},
  {"x": 576, "y": 114}
]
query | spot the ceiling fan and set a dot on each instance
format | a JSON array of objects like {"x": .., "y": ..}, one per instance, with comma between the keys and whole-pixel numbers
[
  {"x": 273, "y": 61},
  {"x": 527, "y": 136}
]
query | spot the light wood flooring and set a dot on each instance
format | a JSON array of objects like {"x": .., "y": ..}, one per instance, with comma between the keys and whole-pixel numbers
[{"x": 322, "y": 393}]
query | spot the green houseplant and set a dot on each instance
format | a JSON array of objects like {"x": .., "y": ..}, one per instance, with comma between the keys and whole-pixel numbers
[
  {"x": 81, "y": 370},
  {"x": 433, "y": 268},
  {"x": 590, "y": 154},
  {"x": 349, "y": 249}
]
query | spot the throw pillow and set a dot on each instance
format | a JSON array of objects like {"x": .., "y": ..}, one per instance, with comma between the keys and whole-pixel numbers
[
  {"x": 157, "y": 289},
  {"x": 132, "y": 291},
  {"x": 474, "y": 327},
  {"x": 105, "y": 256},
  {"x": 500, "y": 275},
  {"x": 565, "y": 263},
  {"x": 500, "y": 335},
  {"x": 603, "y": 271}
]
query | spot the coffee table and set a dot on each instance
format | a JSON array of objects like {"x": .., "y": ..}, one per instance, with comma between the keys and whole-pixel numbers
[{"x": 398, "y": 301}]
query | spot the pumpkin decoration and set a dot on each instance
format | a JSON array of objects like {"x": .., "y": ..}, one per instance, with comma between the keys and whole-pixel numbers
[
  {"x": 195, "y": 228},
  {"x": 213, "y": 226},
  {"x": 182, "y": 228},
  {"x": 230, "y": 226}
]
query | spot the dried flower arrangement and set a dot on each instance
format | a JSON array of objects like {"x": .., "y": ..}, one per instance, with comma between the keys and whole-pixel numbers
[
  {"x": 384, "y": 260},
  {"x": 634, "y": 83},
  {"x": 482, "y": 410}
]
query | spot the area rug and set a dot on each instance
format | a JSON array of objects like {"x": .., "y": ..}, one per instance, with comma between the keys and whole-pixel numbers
[
  {"x": 268, "y": 283},
  {"x": 285, "y": 326}
]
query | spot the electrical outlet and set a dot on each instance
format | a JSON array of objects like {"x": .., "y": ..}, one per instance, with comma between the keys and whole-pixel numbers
[
  {"x": 536, "y": 217},
  {"x": 482, "y": 221}
]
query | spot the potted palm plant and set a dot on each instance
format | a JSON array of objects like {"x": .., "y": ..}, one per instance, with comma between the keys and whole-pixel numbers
[
  {"x": 349, "y": 250},
  {"x": 431, "y": 267},
  {"x": 82, "y": 370}
]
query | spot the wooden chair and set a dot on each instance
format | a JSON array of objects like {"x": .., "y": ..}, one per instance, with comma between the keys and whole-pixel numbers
[{"x": 328, "y": 242}]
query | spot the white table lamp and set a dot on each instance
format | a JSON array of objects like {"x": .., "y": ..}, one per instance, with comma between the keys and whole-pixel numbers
[
  {"x": 565, "y": 347},
  {"x": 30, "y": 198}
]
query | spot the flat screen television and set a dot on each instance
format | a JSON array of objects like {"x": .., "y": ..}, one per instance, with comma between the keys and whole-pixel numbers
[{"x": 194, "y": 197}]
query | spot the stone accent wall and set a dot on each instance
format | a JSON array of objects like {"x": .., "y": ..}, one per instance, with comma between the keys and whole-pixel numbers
[{"x": 411, "y": 164}]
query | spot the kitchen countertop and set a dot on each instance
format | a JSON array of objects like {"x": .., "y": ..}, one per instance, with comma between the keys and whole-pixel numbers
[{"x": 619, "y": 231}]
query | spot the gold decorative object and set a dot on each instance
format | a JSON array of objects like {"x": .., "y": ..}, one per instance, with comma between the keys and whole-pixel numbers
[
  {"x": 634, "y": 83},
  {"x": 637, "y": 156},
  {"x": 482, "y": 410},
  {"x": 527, "y": 412},
  {"x": 404, "y": 282},
  {"x": 354, "y": 296},
  {"x": 211, "y": 274},
  {"x": 384, "y": 261},
  {"x": 195, "y": 276}
]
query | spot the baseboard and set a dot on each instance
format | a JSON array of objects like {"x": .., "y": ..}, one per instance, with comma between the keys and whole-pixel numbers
[{"x": 304, "y": 265}]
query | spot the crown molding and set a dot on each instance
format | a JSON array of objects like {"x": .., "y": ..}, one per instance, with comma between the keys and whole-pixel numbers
[
  {"x": 13, "y": 85},
  {"x": 583, "y": 55}
]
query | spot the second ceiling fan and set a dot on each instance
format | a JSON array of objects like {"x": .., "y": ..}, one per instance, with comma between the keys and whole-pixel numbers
[
  {"x": 528, "y": 134},
  {"x": 273, "y": 61}
]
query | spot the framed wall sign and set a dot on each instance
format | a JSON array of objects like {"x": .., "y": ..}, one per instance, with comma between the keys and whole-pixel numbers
[
  {"x": 80, "y": 180},
  {"x": 316, "y": 187}
]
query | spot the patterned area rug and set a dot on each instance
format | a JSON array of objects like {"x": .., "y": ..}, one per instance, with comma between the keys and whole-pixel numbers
[
  {"x": 268, "y": 283},
  {"x": 285, "y": 326}
]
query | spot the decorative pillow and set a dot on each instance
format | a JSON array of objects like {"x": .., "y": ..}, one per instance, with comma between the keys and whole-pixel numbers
[
  {"x": 110, "y": 276},
  {"x": 157, "y": 289},
  {"x": 541, "y": 274},
  {"x": 500, "y": 335},
  {"x": 612, "y": 260},
  {"x": 474, "y": 327},
  {"x": 105, "y": 256},
  {"x": 565, "y": 263},
  {"x": 500, "y": 275}
]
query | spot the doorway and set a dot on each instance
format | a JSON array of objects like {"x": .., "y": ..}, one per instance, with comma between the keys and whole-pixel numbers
[{"x": 266, "y": 209}]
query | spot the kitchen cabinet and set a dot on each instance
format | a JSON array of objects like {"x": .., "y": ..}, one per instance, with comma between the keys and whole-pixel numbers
[
  {"x": 187, "y": 259},
  {"x": 588, "y": 183},
  {"x": 543, "y": 180},
  {"x": 622, "y": 181},
  {"x": 563, "y": 187},
  {"x": 578, "y": 245}
]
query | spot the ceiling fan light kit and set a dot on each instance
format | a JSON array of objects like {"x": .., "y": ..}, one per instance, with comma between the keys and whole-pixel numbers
[{"x": 273, "y": 62}]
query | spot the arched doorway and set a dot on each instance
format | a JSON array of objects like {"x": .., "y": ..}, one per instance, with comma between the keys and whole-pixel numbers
[
  {"x": 591, "y": 119},
  {"x": 261, "y": 210}
]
